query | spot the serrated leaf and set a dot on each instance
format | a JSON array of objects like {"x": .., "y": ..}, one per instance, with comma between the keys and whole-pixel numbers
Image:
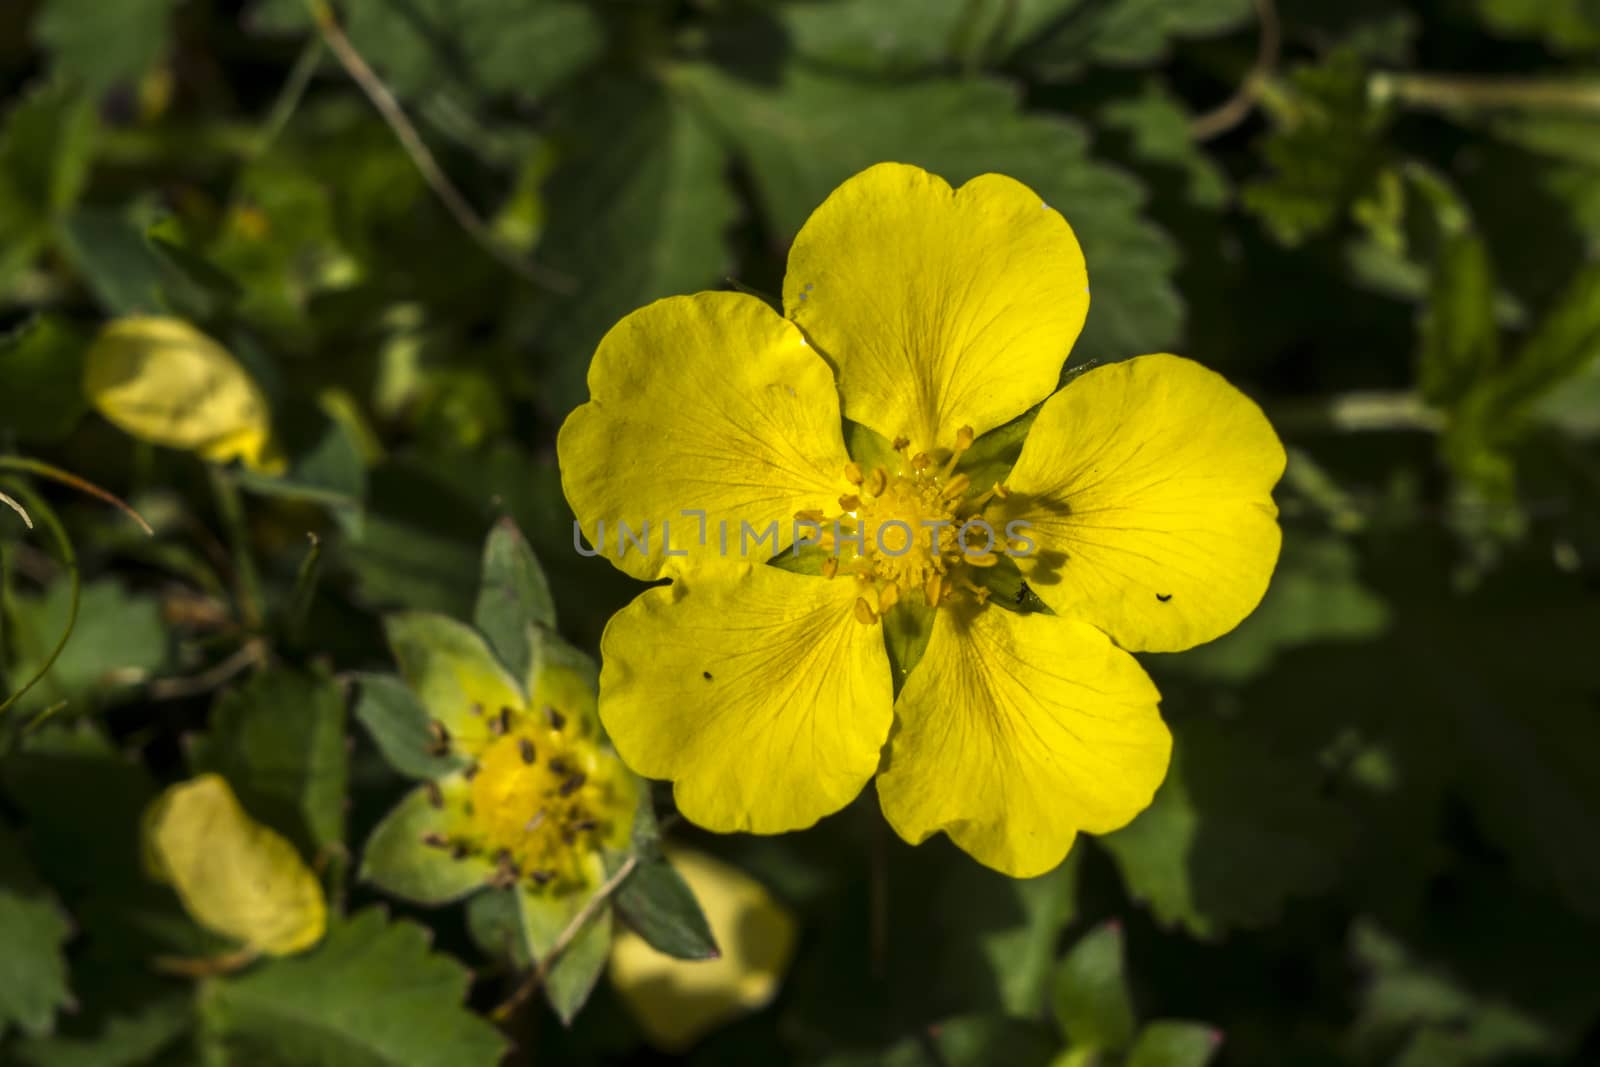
[
  {"x": 399, "y": 861},
  {"x": 1175, "y": 1044},
  {"x": 235, "y": 876},
  {"x": 1326, "y": 151},
  {"x": 33, "y": 929},
  {"x": 803, "y": 137},
  {"x": 371, "y": 995},
  {"x": 279, "y": 740},
  {"x": 1460, "y": 338},
  {"x": 1090, "y": 997},
  {"x": 637, "y": 207},
  {"x": 41, "y": 364},
  {"x": 513, "y": 596},
  {"x": 658, "y": 905},
  {"x": 398, "y": 723},
  {"x": 1208, "y": 854},
  {"x": 103, "y": 45},
  {"x": 871, "y": 37}
]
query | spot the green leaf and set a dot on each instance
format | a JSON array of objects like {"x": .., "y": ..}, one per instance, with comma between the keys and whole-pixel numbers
[
  {"x": 1158, "y": 126},
  {"x": 1175, "y": 1044},
  {"x": 33, "y": 928},
  {"x": 46, "y": 145},
  {"x": 1211, "y": 853},
  {"x": 1326, "y": 151},
  {"x": 398, "y": 723},
  {"x": 1022, "y": 956},
  {"x": 803, "y": 137},
  {"x": 131, "y": 271},
  {"x": 104, "y": 45},
  {"x": 513, "y": 596},
  {"x": 636, "y": 207},
  {"x": 1563, "y": 25},
  {"x": 279, "y": 740},
  {"x": 371, "y": 995},
  {"x": 119, "y": 641},
  {"x": 969, "y": 1041},
  {"x": 1091, "y": 999},
  {"x": 871, "y": 37},
  {"x": 544, "y": 916},
  {"x": 1121, "y": 33},
  {"x": 1566, "y": 341},
  {"x": 397, "y": 860},
  {"x": 1460, "y": 338},
  {"x": 401, "y": 564},
  {"x": 661, "y": 908},
  {"x": 1436, "y": 1021},
  {"x": 41, "y": 363}
]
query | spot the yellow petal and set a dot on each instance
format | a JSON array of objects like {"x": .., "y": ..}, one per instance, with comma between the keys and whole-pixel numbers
[
  {"x": 163, "y": 381},
  {"x": 755, "y": 689},
  {"x": 1149, "y": 487},
  {"x": 940, "y": 309},
  {"x": 234, "y": 876},
  {"x": 711, "y": 403},
  {"x": 1014, "y": 732},
  {"x": 679, "y": 1001}
]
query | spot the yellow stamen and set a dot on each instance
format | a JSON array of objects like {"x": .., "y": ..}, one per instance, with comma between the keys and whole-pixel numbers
[
  {"x": 864, "y": 612},
  {"x": 830, "y": 566},
  {"x": 852, "y": 473}
]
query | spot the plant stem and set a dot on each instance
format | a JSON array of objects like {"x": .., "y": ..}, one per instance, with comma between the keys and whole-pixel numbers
[
  {"x": 1468, "y": 93},
  {"x": 247, "y": 582}
]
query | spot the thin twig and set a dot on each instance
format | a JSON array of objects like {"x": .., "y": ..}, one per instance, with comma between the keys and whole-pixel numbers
[
  {"x": 18, "y": 508},
  {"x": 56, "y": 474},
  {"x": 69, "y": 560},
  {"x": 1237, "y": 107},
  {"x": 289, "y": 97},
  {"x": 250, "y": 654},
  {"x": 452, "y": 198},
  {"x": 579, "y": 921}
]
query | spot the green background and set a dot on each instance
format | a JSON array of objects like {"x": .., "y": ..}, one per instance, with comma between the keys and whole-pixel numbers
[{"x": 1377, "y": 841}]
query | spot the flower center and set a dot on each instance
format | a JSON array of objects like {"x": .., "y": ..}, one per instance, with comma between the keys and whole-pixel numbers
[
  {"x": 911, "y": 532},
  {"x": 542, "y": 799}
]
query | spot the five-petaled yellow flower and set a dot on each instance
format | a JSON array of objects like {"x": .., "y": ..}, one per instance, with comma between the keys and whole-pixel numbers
[{"x": 929, "y": 316}]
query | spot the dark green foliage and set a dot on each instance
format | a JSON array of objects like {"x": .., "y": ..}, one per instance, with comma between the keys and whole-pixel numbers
[{"x": 1374, "y": 845}]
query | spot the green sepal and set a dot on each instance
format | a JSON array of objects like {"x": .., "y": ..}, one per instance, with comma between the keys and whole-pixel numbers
[{"x": 398, "y": 860}]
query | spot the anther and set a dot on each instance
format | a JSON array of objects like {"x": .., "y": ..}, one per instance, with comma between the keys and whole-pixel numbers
[
  {"x": 955, "y": 487},
  {"x": 813, "y": 515},
  {"x": 476, "y": 709},
  {"x": 583, "y": 826},
  {"x": 535, "y": 822},
  {"x": 900, "y": 444},
  {"x": 888, "y": 597},
  {"x": 850, "y": 502},
  {"x": 864, "y": 612},
  {"x": 556, "y": 719},
  {"x": 525, "y": 747},
  {"x": 852, "y": 473},
  {"x": 434, "y": 839},
  {"x": 933, "y": 589},
  {"x": 541, "y": 877},
  {"x": 435, "y": 794},
  {"x": 438, "y": 738},
  {"x": 982, "y": 559},
  {"x": 877, "y": 482},
  {"x": 830, "y": 566},
  {"x": 573, "y": 784},
  {"x": 921, "y": 462}
]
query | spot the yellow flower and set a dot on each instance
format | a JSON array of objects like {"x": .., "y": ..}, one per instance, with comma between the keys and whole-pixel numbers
[
  {"x": 679, "y": 1001},
  {"x": 1138, "y": 509}
]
